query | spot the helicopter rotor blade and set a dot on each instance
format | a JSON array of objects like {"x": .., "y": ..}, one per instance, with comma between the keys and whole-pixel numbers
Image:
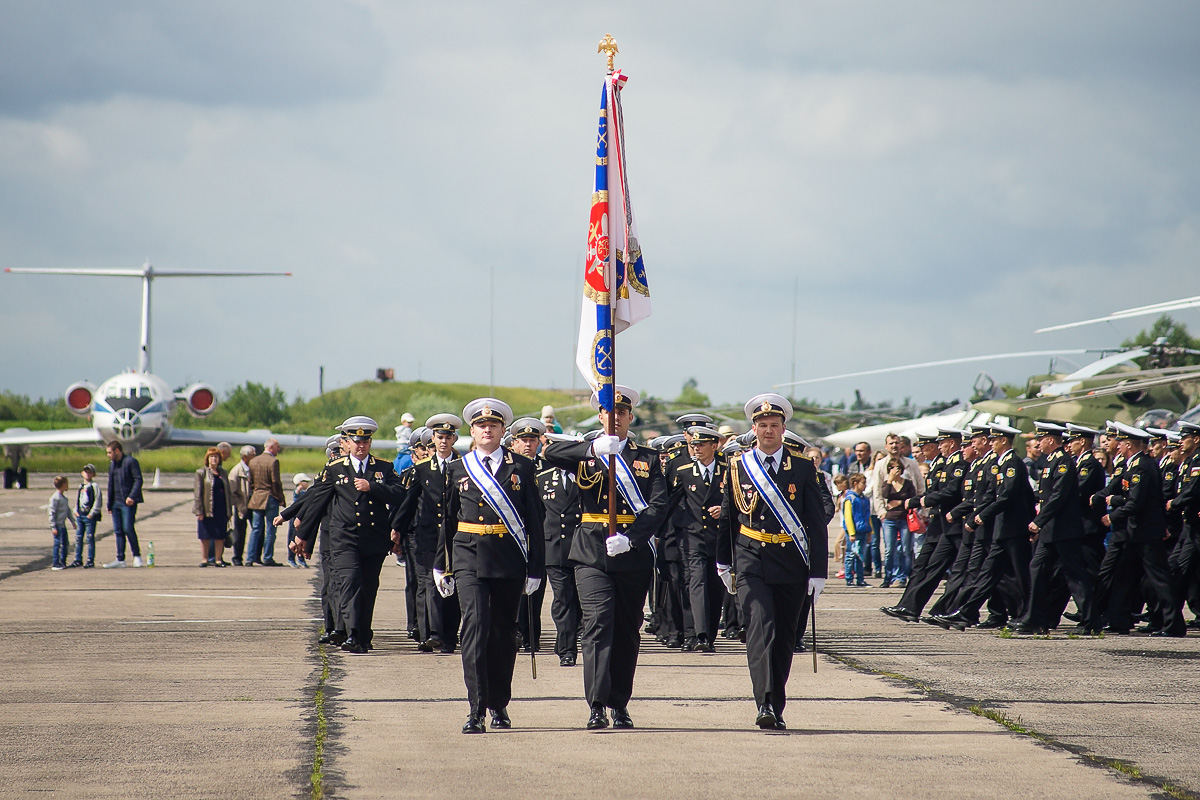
[
  {"x": 1130, "y": 313},
  {"x": 926, "y": 364}
]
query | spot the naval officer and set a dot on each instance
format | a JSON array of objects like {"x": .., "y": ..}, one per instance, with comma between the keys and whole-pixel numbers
[
  {"x": 612, "y": 573},
  {"x": 356, "y": 490},
  {"x": 773, "y": 550},
  {"x": 490, "y": 551}
]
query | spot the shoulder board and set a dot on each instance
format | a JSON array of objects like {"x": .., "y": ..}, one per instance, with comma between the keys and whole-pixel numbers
[
  {"x": 798, "y": 452},
  {"x": 955, "y": 457},
  {"x": 421, "y": 460},
  {"x": 336, "y": 461}
]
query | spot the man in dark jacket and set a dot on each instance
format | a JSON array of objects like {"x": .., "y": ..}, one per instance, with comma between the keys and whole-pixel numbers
[
  {"x": 1058, "y": 527},
  {"x": 1137, "y": 515},
  {"x": 124, "y": 495}
]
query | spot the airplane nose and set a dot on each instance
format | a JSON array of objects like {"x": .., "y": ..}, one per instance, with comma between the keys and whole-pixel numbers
[{"x": 126, "y": 424}]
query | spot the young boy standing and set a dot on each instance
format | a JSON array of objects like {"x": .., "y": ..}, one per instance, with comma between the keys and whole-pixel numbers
[
  {"x": 60, "y": 513},
  {"x": 87, "y": 514},
  {"x": 856, "y": 521}
]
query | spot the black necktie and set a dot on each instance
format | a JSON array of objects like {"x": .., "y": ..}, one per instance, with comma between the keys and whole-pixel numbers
[
  {"x": 362, "y": 469},
  {"x": 487, "y": 464},
  {"x": 771, "y": 465}
]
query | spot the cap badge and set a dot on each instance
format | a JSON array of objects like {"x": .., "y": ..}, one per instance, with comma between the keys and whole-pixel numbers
[
  {"x": 766, "y": 406},
  {"x": 487, "y": 410}
]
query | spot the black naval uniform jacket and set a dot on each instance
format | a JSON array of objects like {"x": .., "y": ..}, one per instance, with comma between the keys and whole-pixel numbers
[
  {"x": 1012, "y": 508},
  {"x": 800, "y": 483},
  {"x": 946, "y": 494},
  {"x": 357, "y": 519},
  {"x": 1188, "y": 497},
  {"x": 691, "y": 494},
  {"x": 1112, "y": 495},
  {"x": 1141, "y": 516},
  {"x": 1172, "y": 474},
  {"x": 1059, "y": 516},
  {"x": 591, "y": 476},
  {"x": 560, "y": 499},
  {"x": 296, "y": 509},
  {"x": 491, "y": 555},
  {"x": 978, "y": 490},
  {"x": 1091, "y": 480},
  {"x": 424, "y": 506}
]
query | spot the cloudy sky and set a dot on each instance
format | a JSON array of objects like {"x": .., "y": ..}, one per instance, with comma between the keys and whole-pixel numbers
[{"x": 937, "y": 178}]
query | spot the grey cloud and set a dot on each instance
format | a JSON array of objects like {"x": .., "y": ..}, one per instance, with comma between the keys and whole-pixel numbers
[{"x": 272, "y": 53}]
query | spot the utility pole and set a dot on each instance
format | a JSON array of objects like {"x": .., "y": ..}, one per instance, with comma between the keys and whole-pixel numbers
[{"x": 320, "y": 381}]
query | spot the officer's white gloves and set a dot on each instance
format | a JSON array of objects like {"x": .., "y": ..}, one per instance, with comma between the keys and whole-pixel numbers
[
  {"x": 444, "y": 583},
  {"x": 606, "y": 445},
  {"x": 725, "y": 573},
  {"x": 532, "y": 584},
  {"x": 815, "y": 585},
  {"x": 617, "y": 543}
]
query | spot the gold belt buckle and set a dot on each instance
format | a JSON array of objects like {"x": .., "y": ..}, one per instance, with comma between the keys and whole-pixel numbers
[{"x": 487, "y": 529}]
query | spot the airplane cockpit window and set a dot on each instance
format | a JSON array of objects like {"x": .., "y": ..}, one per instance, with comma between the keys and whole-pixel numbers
[{"x": 143, "y": 391}]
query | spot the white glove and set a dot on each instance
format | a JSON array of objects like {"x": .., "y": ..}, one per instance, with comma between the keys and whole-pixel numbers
[
  {"x": 532, "y": 584},
  {"x": 444, "y": 584},
  {"x": 726, "y": 576},
  {"x": 617, "y": 543},
  {"x": 606, "y": 445},
  {"x": 815, "y": 585}
]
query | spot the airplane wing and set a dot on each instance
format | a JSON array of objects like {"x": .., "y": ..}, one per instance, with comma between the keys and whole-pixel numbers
[
  {"x": 64, "y": 436},
  {"x": 199, "y": 438}
]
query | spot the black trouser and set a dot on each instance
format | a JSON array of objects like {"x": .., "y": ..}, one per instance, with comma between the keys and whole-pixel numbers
[
  {"x": 925, "y": 580},
  {"x": 525, "y": 618},
  {"x": 1006, "y": 557},
  {"x": 358, "y": 582},
  {"x": 1187, "y": 568},
  {"x": 408, "y": 549},
  {"x": 442, "y": 614},
  {"x": 676, "y": 611},
  {"x": 1123, "y": 565},
  {"x": 705, "y": 593},
  {"x": 730, "y": 615},
  {"x": 240, "y": 523},
  {"x": 960, "y": 573},
  {"x": 489, "y": 637},
  {"x": 564, "y": 609},
  {"x": 611, "y": 605},
  {"x": 331, "y": 608},
  {"x": 803, "y": 618},
  {"x": 1052, "y": 563},
  {"x": 772, "y": 612}
]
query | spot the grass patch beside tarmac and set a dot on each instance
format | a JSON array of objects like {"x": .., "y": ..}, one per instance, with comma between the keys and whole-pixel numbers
[
  {"x": 979, "y": 708},
  {"x": 317, "y": 775}
]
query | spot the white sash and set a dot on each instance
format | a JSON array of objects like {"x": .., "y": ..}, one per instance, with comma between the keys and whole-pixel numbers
[
  {"x": 771, "y": 494},
  {"x": 495, "y": 496},
  {"x": 628, "y": 486}
]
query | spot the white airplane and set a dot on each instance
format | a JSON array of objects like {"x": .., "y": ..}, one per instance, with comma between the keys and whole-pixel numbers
[{"x": 134, "y": 408}]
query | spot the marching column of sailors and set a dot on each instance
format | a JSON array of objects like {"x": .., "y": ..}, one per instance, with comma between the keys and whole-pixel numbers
[
  {"x": 730, "y": 533},
  {"x": 1114, "y": 544}
]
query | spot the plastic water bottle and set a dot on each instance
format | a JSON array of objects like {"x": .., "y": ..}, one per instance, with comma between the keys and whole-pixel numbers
[{"x": 150, "y": 556}]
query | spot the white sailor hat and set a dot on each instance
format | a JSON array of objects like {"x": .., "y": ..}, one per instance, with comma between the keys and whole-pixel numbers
[
  {"x": 334, "y": 441},
  {"x": 656, "y": 443},
  {"x": 998, "y": 430},
  {"x": 768, "y": 404},
  {"x": 673, "y": 442},
  {"x": 623, "y": 397},
  {"x": 795, "y": 439},
  {"x": 951, "y": 433},
  {"x": 1045, "y": 428},
  {"x": 527, "y": 426},
  {"x": 1174, "y": 439},
  {"x": 689, "y": 420},
  {"x": 506, "y": 440},
  {"x": 449, "y": 423},
  {"x": 1158, "y": 433},
  {"x": 701, "y": 434},
  {"x": 731, "y": 447},
  {"x": 1080, "y": 431},
  {"x": 747, "y": 439},
  {"x": 979, "y": 429},
  {"x": 422, "y": 436},
  {"x": 1188, "y": 429},
  {"x": 1129, "y": 432},
  {"x": 359, "y": 427},
  {"x": 926, "y": 437},
  {"x": 487, "y": 409}
]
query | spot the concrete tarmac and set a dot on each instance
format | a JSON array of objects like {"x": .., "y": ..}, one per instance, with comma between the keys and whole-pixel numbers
[{"x": 186, "y": 682}]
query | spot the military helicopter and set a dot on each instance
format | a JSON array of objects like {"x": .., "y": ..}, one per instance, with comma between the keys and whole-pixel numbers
[{"x": 1112, "y": 387}]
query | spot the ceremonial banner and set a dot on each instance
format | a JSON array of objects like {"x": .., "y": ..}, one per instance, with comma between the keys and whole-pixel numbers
[{"x": 615, "y": 292}]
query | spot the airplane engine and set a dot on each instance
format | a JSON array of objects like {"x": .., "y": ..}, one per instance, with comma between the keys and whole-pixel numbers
[
  {"x": 79, "y": 398},
  {"x": 201, "y": 399}
]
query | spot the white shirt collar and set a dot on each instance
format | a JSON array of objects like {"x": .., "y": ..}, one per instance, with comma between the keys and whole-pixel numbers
[{"x": 496, "y": 457}]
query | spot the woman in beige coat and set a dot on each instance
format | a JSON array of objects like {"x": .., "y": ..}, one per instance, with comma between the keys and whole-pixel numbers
[{"x": 211, "y": 503}]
